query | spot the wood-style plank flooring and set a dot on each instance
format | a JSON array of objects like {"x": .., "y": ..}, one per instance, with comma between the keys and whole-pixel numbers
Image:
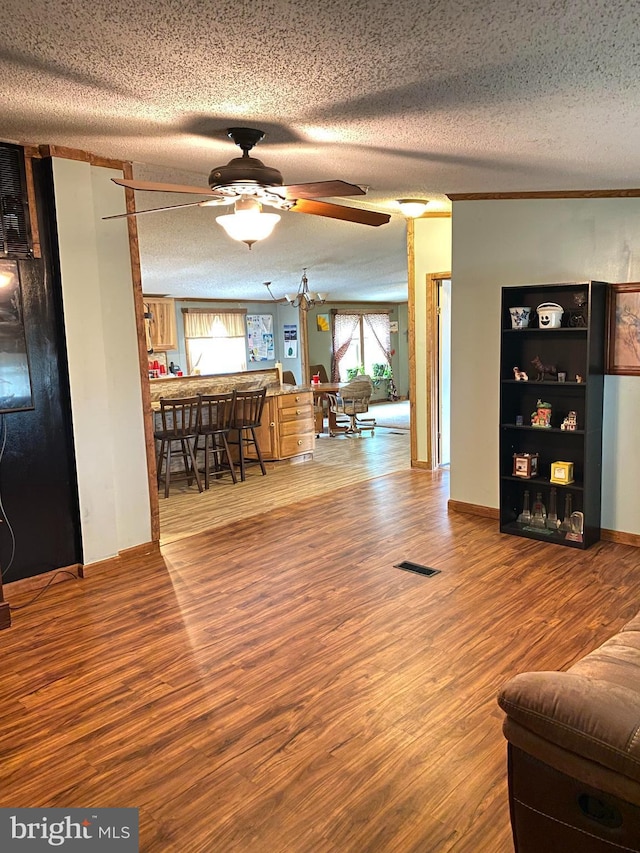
[
  {"x": 338, "y": 462},
  {"x": 277, "y": 686}
]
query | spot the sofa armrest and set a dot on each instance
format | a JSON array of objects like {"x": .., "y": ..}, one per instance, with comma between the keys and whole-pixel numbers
[{"x": 591, "y": 717}]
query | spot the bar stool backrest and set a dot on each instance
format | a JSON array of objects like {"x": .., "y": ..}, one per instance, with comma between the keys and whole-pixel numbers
[
  {"x": 248, "y": 408},
  {"x": 179, "y": 417},
  {"x": 216, "y": 412}
]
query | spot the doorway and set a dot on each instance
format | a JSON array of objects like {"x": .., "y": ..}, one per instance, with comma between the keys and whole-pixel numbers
[{"x": 443, "y": 345}]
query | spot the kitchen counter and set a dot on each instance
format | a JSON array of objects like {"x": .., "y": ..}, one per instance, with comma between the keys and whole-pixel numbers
[
  {"x": 287, "y": 430},
  {"x": 189, "y": 386}
]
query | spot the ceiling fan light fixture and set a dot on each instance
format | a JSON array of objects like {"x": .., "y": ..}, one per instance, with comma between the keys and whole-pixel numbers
[
  {"x": 248, "y": 224},
  {"x": 413, "y": 207}
]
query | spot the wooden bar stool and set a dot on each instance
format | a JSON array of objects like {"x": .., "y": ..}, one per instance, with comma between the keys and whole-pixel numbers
[
  {"x": 247, "y": 417},
  {"x": 216, "y": 417},
  {"x": 179, "y": 425}
]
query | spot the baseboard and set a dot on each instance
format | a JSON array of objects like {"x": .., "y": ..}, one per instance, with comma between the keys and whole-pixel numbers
[
  {"x": 473, "y": 509},
  {"x": 617, "y": 536},
  {"x": 620, "y": 537},
  {"x": 36, "y": 582},
  {"x": 424, "y": 466},
  {"x": 127, "y": 555}
]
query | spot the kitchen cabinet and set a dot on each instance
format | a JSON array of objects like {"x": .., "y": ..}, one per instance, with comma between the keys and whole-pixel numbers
[
  {"x": 163, "y": 333},
  {"x": 287, "y": 428}
]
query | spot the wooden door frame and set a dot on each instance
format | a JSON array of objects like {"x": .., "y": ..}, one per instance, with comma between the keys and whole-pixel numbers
[
  {"x": 433, "y": 366},
  {"x": 431, "y": 377}
]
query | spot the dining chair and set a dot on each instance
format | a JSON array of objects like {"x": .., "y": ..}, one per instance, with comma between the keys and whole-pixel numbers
[
  {"x": 178, "y": 425},
  {"x": 352, "y": 402},
  {"x": 216, "y": 418},
  {"x": 246, "y": 419}
]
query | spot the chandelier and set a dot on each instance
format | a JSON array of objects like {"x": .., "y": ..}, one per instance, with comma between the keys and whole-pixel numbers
[{"x": 304, "y": 298}]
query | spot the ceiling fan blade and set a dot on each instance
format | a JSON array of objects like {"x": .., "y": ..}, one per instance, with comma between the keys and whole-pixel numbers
[
  {"x": 338, "y": 211},
  {"x": 152, "y": 186},
  {"x": 153, "y": 210},
  {"x": 320, "y": 189}
]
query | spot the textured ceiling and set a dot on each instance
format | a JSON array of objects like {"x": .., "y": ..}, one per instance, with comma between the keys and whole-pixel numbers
[{"x": 408, "y": 98}]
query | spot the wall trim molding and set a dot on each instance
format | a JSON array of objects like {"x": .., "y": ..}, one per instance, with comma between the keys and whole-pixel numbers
[
  {"x": 620, "y": 537},
  {"x": 617, "y": 536},
  {"x": 36, "y": 582},
  {"x": 125, "y": 557},
  {"x": 75, "y": 154},
  {"x": 542, "y": 194},
  {"x": 473, "y": 509}
]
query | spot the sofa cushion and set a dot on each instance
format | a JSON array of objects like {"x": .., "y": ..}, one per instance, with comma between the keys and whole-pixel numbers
[{"x": 593, "y": 709}]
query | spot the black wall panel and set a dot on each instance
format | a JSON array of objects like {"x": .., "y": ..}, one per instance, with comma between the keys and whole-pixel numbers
[{"x": 38, "y": 485}]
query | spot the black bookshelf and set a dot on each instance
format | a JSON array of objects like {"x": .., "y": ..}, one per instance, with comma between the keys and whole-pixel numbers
[{"x": 576, "y": 348}]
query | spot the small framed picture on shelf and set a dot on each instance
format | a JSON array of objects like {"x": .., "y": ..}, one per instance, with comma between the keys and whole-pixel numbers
[{"x": 623, "y": 341}]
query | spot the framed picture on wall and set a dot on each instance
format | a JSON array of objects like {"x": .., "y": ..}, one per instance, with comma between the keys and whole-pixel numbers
[
  {"x": 623, "y": 342},
  {"x": 15, "y": 378},
  {"x": 322, "y": 322}
]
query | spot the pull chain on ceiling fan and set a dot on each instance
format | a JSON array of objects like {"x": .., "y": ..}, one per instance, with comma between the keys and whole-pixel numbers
[{"x": 249, "y": 184}]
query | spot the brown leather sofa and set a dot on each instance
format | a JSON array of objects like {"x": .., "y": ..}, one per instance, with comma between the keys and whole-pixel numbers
[{"x": 574, "y": 752}]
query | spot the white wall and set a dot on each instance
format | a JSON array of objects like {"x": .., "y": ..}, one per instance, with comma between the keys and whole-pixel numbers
[
  {"x": 498, "y": 243},
  {"x": 432, "y": 254},
  {"x": 100, "y": 328}
]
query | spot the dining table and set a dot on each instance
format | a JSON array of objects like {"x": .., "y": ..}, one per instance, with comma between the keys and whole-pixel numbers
[{"x": 320, "y": 391}]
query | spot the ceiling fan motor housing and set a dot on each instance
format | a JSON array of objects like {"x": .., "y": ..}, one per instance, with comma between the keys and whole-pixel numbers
[{"x": 243, "y": 170}]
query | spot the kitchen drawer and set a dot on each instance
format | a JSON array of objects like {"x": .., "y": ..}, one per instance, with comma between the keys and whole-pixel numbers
[
  {"x": 301, "y": 412},
  {"x": 292, "y": 445},
  {"x": 289, "y": 401},
  {"x": 298, "y": 427}
]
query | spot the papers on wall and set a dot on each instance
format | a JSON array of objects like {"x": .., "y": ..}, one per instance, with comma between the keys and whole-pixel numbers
[
  {"x": 260, "y": 337},
  {"x": 290, "y": 340}
]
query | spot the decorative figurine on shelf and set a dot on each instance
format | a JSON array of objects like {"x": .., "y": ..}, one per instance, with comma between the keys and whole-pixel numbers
[
  {"x": 568, "y": 509},
  {"x": 543, "y": 369},
  {"x": 552, "y": 520},
  {"x": 525, "y": 515},
  {"x": 520, "y": 375},
  {"x": 570, "y": 422},
  {"x": 520, "y": 317},
  {"x": 539, "y": 512},
  {"x": 579, "y": 378},
  {"x": 577, "y": 318},
  {"x": 542, "y": 415},
  {"x": 562, "y": 473},
  {"x": 525, "y": 465}
]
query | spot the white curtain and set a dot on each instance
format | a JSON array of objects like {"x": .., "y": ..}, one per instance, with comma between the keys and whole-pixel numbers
[
  {"x": 215, "y": 341},
  {"x": 208, "y": 324},
  {"x": 344, "y": 325},
  {"x": 380, "y": 326}
]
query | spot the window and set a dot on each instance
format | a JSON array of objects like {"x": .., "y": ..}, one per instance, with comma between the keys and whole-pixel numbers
[
  {"x": 360, "y": 341},
  {"x": 215, "y": 341}
]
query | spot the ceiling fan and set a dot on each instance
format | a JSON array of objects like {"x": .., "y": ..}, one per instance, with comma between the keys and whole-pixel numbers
[{"x": 248, "y": 184}]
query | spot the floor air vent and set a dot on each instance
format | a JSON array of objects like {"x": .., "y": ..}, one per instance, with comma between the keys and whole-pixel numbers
[{"x": 408, "y": 566}]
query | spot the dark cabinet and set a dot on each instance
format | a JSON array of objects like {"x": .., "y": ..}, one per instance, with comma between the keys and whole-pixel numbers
[{"x": 574, "y": 352}]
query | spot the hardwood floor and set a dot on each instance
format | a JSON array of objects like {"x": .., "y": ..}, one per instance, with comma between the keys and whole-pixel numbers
[
  {"x": 277, "y": 685},
  {"x": 338, "y": 463}
]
